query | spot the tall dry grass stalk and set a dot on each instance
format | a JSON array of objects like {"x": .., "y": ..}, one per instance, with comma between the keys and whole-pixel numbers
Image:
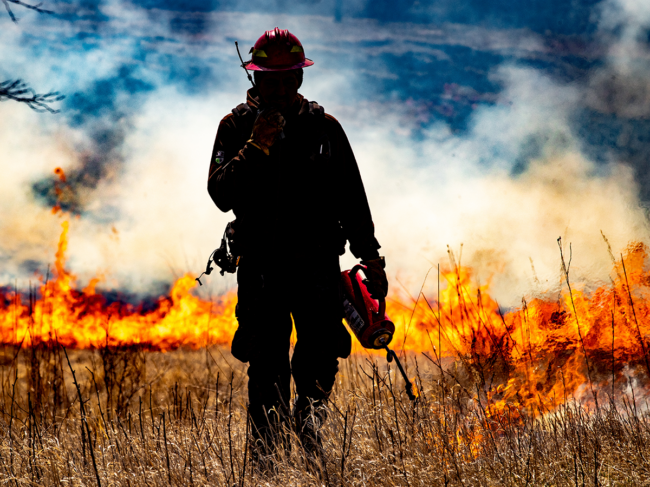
[{"x": 149, "y": 418}]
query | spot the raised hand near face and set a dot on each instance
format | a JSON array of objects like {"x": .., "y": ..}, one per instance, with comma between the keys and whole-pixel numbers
[{"x": 267, "y": 129}]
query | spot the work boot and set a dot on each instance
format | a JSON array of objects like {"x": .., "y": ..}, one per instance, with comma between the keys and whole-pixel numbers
[
  {"x": 262, "y": 457},
  {"x": 268, "y": 434},
  {"x": 308, "y": 423},
  {"x": 309, "y": 436}
]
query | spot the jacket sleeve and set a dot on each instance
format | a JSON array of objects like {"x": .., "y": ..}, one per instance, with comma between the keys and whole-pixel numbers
[
  {"x": 354, "y": 211},
  {"x": 230, "y": 164}
]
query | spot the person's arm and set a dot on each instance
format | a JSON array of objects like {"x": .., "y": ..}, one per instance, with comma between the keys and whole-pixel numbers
[
  {"x": 354, "y": 213},
  {"x": 229, "y": 165},
  {"x": 356, "y": 219}
]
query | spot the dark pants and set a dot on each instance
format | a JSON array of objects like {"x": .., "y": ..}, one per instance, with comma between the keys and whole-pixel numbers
[{"x": 269, "y": 295}]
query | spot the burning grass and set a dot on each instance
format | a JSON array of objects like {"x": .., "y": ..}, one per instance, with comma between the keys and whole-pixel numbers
[{"x": 553, "y": 393}]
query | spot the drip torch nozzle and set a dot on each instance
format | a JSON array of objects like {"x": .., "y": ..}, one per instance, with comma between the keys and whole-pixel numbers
[{"x": 390, "y": 355}]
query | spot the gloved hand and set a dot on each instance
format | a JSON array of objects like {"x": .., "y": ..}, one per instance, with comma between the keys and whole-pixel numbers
[
  {"x": 376, "y": 281},
  {"x": 266, "y": 129}
]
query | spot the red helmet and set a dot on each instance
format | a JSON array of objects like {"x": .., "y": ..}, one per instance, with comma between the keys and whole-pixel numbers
[{"x": 277, "y": 50}]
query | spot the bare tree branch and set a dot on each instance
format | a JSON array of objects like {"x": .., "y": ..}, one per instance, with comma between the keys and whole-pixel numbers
[
  {"x": 19, "y": 91},
  {"x": 26, "y": 5}
]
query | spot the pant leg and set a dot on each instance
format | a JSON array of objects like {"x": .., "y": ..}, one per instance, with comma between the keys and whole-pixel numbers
[
  {"x": 321, "y": 335},
  {"x": 262, "y": 339}
]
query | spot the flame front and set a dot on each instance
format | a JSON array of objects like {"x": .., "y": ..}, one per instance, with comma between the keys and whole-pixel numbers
[
  {"x": 84, "y": 319},
  {"x": 545, "y": 352},
  {"x": 534, "y": 357}
]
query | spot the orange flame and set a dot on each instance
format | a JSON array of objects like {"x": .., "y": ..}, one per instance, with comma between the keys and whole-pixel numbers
[
  {"x": 59, "y": 172},
  {"x": 57, "y": 189},
  {"x": 578, "y": 346},
  {"x": 83, "y": 319},
  {"x": 530, "y": 359}
]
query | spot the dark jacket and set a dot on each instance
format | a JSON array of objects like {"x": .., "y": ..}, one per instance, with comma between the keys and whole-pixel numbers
[{"x": 306, "y": 197}]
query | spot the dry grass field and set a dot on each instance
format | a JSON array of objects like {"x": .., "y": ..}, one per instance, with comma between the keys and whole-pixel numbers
[
  {"x": 550, "y": 394},
  {"x": 178, "y": 418}
]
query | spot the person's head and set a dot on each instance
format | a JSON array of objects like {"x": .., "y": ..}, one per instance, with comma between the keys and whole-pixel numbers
[
  {"x": 277, "y": 61},
  {"x": 278, "y": 87}
]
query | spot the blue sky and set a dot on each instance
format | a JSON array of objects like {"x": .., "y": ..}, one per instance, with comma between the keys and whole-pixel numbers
[{"x": 441, "y": 100}]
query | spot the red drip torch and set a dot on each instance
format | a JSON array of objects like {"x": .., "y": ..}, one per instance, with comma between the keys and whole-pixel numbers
[{"x": 367, "y": 318}]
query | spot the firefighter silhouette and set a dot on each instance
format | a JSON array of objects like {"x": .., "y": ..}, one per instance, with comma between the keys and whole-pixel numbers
[{"x": 286, "y": 169}]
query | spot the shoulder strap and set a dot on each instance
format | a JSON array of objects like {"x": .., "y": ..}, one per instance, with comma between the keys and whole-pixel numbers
[
  {"x": 311, "y": 109},
  {"x": 244, "y": 119},
  {"x": 315, "y": 114},
  {"x": 316, "y": 110}
]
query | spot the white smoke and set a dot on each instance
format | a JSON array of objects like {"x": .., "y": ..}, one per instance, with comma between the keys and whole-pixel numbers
[
  {"x": 453, "y": 190},
  {"x": 480, "y": 189}
]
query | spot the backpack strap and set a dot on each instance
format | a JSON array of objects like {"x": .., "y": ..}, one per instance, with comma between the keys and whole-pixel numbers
[
  {"x": 323, "y": 146},
  {"x": 316, "y": 110},
  {"x": 311, "y": 109},
  {"x": 244, "y": 120}
]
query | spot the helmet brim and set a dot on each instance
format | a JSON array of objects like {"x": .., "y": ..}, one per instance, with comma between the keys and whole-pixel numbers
[{"x": 256, "y": 67}]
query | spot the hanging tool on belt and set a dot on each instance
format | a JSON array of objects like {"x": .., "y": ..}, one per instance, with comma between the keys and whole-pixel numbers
[
  {"x": 368, "y": 320},
  {"x": 226, "y": 256}
]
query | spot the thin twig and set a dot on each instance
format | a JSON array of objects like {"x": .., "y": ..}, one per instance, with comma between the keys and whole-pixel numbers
[
  {"x": 23, "y": 4},
  {"x": 83, "y": 416},
  {"x": 18, "y": 90},
  {"x": 629, "y": 293},
  {"x": 565, "y": 270},
  {"x": 169, "y": 475},
  {"x": 99, "y": 405}
]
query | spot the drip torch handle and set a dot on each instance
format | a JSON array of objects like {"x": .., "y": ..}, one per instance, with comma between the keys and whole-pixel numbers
[
  {"x": 382, "y": 302},
  {"x": 355, "y": 269},
  {"x": 390, "y": 355}
]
